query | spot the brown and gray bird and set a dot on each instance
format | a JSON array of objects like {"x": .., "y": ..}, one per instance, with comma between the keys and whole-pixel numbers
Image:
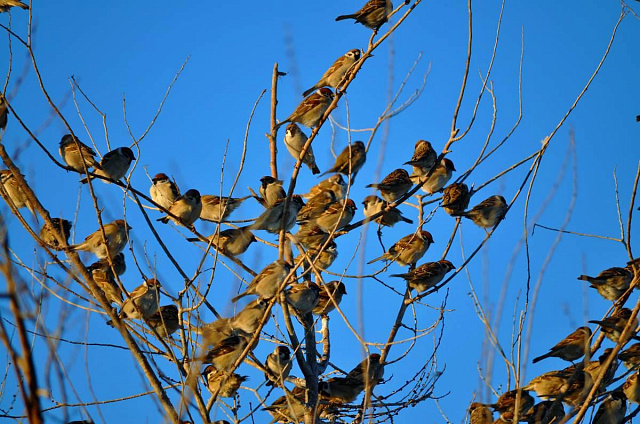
[
  {"x": 61, "y": 227},
  {"x": 394, "y": 186},
  {"x": 630, "y": 357},
  {"x": 267, "y": 283},
  {"x": 303, "y": 297},
  {"x": 271, "y": 219},
  {"x": 612, "y": 410},
  {"x": 369, "y": 372},
  {"x": 218, "y": 208},
  {"x": 163, "y": 191},
  {"x": 225, "y": 384},
  {"x": 556, "y": 383},
  {"x": 165, "y": 320},
  {"x": 119, "y": 265},
  {"x": 310, "y": 110},
  {"x": 114, "y": 165},
  {"x": 506, "y": 402},
  {"x": 571, "y": 347},
  {"x": 322, "y": 258},
  {"x": 75, "y": 153},
  {"x": 438, "y": 178},
  {"x": 373, "y": 205},
  {"x": 279, "y": 364},
  {"x": 631, "y": 388},
  {"x": 332, "y": 290},
  {"x": 480, "y": 413},
  {"x": 5, "y": 5},
  {"x": 487, "y": 213},
  {"x": 372, "y": 15},
  {"x": 186, "y": 208},
  {"x": 230, "y": 242},
  {"x": 142, "y": 301},
  {"x": 613, "y": 325},
  {"x": 611, "y": 283},
  {"x": 554, "y": 412},
  {"x": 224, "y": 354},
  {"x": 116, "y": 233},
  {"x": 295, "y": 140},
  {"x": 427, "y": 275},
  {"x": 108, "y": 285},
  {"x": 271, "y": 190},
  {"x": 333, "y": 217},
  {"x": 455, "y": 199},
  {"x": 334, "y": 75},
  {"x": 335, "y": 184},
  {"x": 352, "y": 158},
  {"x": 408, "y": 250},
  {"x": 14, "y": 191},
  {"x": 424, "y": 158}
]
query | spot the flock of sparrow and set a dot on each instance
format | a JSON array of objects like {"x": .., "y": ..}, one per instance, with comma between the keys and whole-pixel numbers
[{"x": 328, "y": 210}]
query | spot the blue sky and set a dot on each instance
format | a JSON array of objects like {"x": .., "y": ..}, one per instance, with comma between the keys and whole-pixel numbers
[{"x": 133, "y": 50}]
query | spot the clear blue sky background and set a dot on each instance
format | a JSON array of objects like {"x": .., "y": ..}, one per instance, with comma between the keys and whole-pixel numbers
[{"x": 134, "y": 49}]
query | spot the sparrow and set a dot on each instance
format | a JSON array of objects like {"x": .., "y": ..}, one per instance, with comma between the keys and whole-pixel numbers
[
  {"x": 61, "y": 227},
  {"x": 631, "y": 388},
  {"x": 334, "y": 75},
  {"x": 116, "y": 233},
  {"x": 248, "y": 320},
  {"x": 424, "y": 158},
  {"x": 506, "y": 402},
  {"x": 165, "y": 320},
  {"x": 547, "y": 408},
  {"x": 334, "y": 289},
  {"x": 610, "y": 283},
  {"x": 75, "y": 153},
  {"x": 322, "y": 258},
  {"x": 340, "y": 389},
  {"x": 164, "y": 191},
  {"x": 426, "y": 275},
  {"x": 335, "y": 216},
  {"x": 119, "y": 265},
  {"x": 303, "y": 297},
  {"x": 480, "y": 413},
  {"x": 186, "y": 208},
  {"x": 487, "y": 213},
  {"x": 352, "y": 158},
  {"x": 572, "y": 347},
  {"x": 290, "y": 408},
  {"x": 215, "y": 332},
  {"x": 408, "y": 250},
  {"x": 217, "y": 209},
  {"x": 373, "y": 204},
  {"x": 368, "y": 372},
  {"x": 335, "y": 183},
  {"x": 106, "y": 282},
  {"x": 271, "y": 219},
  {"x": 224, "y": 354},
  {"x": 394, "y": 186},
  {"x": 5, "y": 5},
  {"x": 316, "y": 205},
  {"x": 310, "y": 236},
  {"x": 271, "y": 190},
  {"x": 630, "y": 357},
  {"x": 555, "y": 383},
  {"x": 613, "y": 325},
  {"x": 226, "y": 385},
  {"x": 14, "y": 191},
  {"x": 438, "y": 178},
  {"x": 295, "y": 140},
  {"x": 142, "y": 301},
  {"x": 114, "y": 165},
  {"x": 372, "y": 15},
  {"x": 230, "y": 242},
  {"x": 455, "y": 199},
  {"x": 595, "y": 368},
  {"x": 4, "y": 110},
  {"x": 267, "y": 283},
  {"x": 310, "y": 110},
  {"x": 612, "y": 410},
  {"x": 279, "y": 365}
]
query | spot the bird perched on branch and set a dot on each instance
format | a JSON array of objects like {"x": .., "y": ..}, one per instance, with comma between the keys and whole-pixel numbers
[
  {"x": 372, "y": 15},
  {"x": 394, "y": 186},
  {"x": 330, "y": 295},
  {"x": 119, "y": 265},
  {"x": 303, "y": 297},
  {"x": 612, "y": 410},
  {"x": 279, "y": 365},
  {"x": 547, "y": 408},
  {"x": 373, "y": 205},
  {"x": 114, "y": 165},
  {"x": 556, "y": 383},
  {"x": 424, "y": 158},
  {"x": 271, "y": 190},
  {"x": 352, "y": 158},
  {"x": 230, "y": 242},
  {"x": 311, "y": 109},
  {"x": 487, "y": 213},
  {"x": 571, "y": 347},
  {"x": 613, "y": 325},
  {"x": 631, "y": 388},
  {"x": 225, "y": 384},
  {"x": 165, "y": 320},
  {"x": 61, "y": 227},
  {"x": 14, "y": 191},
  {"x": 455, "y": 199},
  {"x": 611, "y": 283},
  {"x": 506, "y": 403},
  {"x": 248, "y": 319},
  {"x": 408, "y": 250},
  {"x": 267, "y": 283},
  {"x": 218, "y": 208},
  {"x": 75, "y": 153},
  {"x": 186, "y": 209},
  {"x": 116, "y": 236},
  {"x": 438, "y": 178},
  {"x": 5, "y": 5},
  {"x": 271, "y": 219},
  {"x": 480, "y": 413},
  {"x": 426, "y": 275},
  {"x": 335, "y": 184},
  {"x": 108, "y": 285},
  {"x": 224, "y": 354},
  {"x": 333, "y": 216},
  {"x": 295, "y": 140},
  {"x": 311, "y": 236},
  {"x": 630, "y": 357},
  {"x": 142, "y": 301},
  {"x": 163, "y": 191},
  {"x": 334, "y": 75}
]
